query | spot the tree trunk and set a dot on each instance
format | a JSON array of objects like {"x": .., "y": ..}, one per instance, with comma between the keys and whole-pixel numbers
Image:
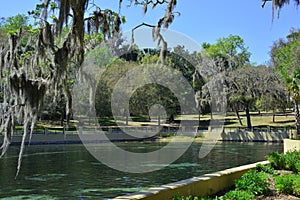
[
  {"x": 297, "y": 117},
  {"x": 199, "y": 116},
  {"x": 68, "y": 98},
  {"x": 238, "y": 115},
  {"x": 127, "y": 119},
  {"x": 248, "y": 117},
  {"x": 158, "y": 119},
  {"x": 274, "y": 114}
]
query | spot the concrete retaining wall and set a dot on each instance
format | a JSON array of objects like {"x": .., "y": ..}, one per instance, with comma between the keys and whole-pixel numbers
[
  {"x": 291, "y": 145},
  {"x": 68, "y": 138},
  {"x": 205, "y": 185},
  {"x": 256, "y": 136},
  {"x": 113, "y": 135}
]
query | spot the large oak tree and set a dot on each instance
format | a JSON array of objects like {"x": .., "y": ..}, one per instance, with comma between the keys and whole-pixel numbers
[
  {"x": 54, "y": 48},
  {"x": 285, "y": 56}
]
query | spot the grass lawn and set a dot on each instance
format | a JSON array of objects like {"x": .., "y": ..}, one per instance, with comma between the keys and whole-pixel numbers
[
  {"x": 261, "y": 120},
  {"x": 257, "y": 120}
]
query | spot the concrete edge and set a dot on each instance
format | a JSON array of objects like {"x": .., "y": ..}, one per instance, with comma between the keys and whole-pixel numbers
[
  {"x": 291, "y": 145},
  {"x": 204, "y": 185}
]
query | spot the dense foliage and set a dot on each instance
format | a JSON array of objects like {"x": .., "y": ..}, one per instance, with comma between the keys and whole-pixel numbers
[
  {"x": 288, "y": 184},
  {"x": 289, "y": 161},
  {"x": 38, "y": 64},
  {"x": 256, "y": 182},
  {"x": 41, "y": 60},
  {"x": 285, "y": 59}
]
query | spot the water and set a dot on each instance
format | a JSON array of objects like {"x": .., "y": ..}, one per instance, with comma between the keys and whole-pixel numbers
[{"x": 70, "y": 172}]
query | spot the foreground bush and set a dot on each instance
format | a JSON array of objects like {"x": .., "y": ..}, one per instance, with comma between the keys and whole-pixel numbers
[
  {"x": 177, "y": 197},
  {"x": 288, "y": 184},
  {"x": 238, "y": 195},
  {"x": 267, "y": 169},
  {"x": 289, "y": 161},
  {"x": 255, "y": 182}
]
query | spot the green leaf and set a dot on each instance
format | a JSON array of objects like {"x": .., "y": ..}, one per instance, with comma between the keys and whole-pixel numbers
[
  {"x": 123, "y": 19},
  {"x": 53, "y": 6}
]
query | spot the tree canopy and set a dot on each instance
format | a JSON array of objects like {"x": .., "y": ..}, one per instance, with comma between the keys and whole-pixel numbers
[
  {"x": 41, "y": 60},
  {"x": 277, "y": 5},
  {"x": 285, "y": 59}
]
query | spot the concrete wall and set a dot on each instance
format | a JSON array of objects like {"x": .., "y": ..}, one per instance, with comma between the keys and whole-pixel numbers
[
  {"x": 46, "y": 139},
  {"x": 291, "y": 145},
  {"x": 117, "y": 135},
  {"x": 205, "y": 185},
  {"x": 68, "y": 138},
  {"x": 256, "y": 136}
]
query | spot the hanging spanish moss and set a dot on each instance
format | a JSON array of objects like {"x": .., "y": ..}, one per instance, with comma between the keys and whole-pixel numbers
[
  {"x": 45, "y": 63},
  {"x": 277, "y": 5}
]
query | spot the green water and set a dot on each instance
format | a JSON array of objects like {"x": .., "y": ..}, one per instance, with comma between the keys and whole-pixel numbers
[{"x": 70, "y": 172}]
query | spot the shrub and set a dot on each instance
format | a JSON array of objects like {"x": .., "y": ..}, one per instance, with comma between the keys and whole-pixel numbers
[
  {"x": 255, "y": 182},
  {"x": 177, "y": 197},
  {"x": 238, "y": 195},
  {"x": 288, "y": 184},
  {"x": 284, "y": 184},
  {"x": 297, "y": 167},
  {"x": 296, "y": 186},
  {"x": 286, "y": 161},
  {"x": 291, "y": 158},
  {"x": 277, "y": 160},
  {"x": 267, "y": 169}
]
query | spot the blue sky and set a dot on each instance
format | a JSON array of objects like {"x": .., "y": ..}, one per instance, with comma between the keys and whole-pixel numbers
[{"x": 205, "y": 21}]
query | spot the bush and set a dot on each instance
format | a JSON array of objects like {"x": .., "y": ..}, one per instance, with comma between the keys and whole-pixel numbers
[
  {"x": 296, "y": 186},
  {"x": 254, "y": 182},
  {"x": 291, "y": 158},
  {"x": 177, "y": 197},
  {"x": 277, "y": 160},
  {"x": 297, "y": 167},
  {"x": 284, "y": 184},
  {"x": 238, "y": 195},
  {"x": 288, "y": 184},
  {"x": 288, "y": 161},
  {"x": 267, "y": 169}
]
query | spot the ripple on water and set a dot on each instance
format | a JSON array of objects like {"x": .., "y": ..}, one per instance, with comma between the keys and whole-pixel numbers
[
  {"x": 44, "y": 177},
  {"x": 99, "y": 191},
  {"x": 31, "y": 197},
  {"x": 175, "y": 165}
]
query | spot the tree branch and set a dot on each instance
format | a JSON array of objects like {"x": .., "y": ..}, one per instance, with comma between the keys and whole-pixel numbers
[
  {"x": 136, "y": 2},
  {"x": 264, "y": 3},
  {"x": 156, "y": 35}
]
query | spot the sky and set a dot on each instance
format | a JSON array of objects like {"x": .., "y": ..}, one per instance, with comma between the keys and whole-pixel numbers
[{"x": 205, "y": 21}]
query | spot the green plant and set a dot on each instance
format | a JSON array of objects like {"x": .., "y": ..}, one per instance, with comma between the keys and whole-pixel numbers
[
  {"x": 238, "y": 195},
  {"x": 178, "y": 197},
  {"x": 255, "y": 182},
  {"x": 277, "y": 160},
  {"x": 286, "y": 161},
  {"x": 297, "y": 166},
  {"x": 291, "y": 158},
  {"x": 288, "y": 184},
  {"x": 284, "y": 184},
  {"x": 296, "y": 186},
  {"x": 267, "y": 169}
]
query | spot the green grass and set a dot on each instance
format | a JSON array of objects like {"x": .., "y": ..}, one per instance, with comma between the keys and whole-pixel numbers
[{"x": 259, "y": 121}]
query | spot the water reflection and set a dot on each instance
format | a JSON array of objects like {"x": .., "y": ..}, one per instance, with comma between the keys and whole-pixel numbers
[{"x": 64, "y": 171}]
